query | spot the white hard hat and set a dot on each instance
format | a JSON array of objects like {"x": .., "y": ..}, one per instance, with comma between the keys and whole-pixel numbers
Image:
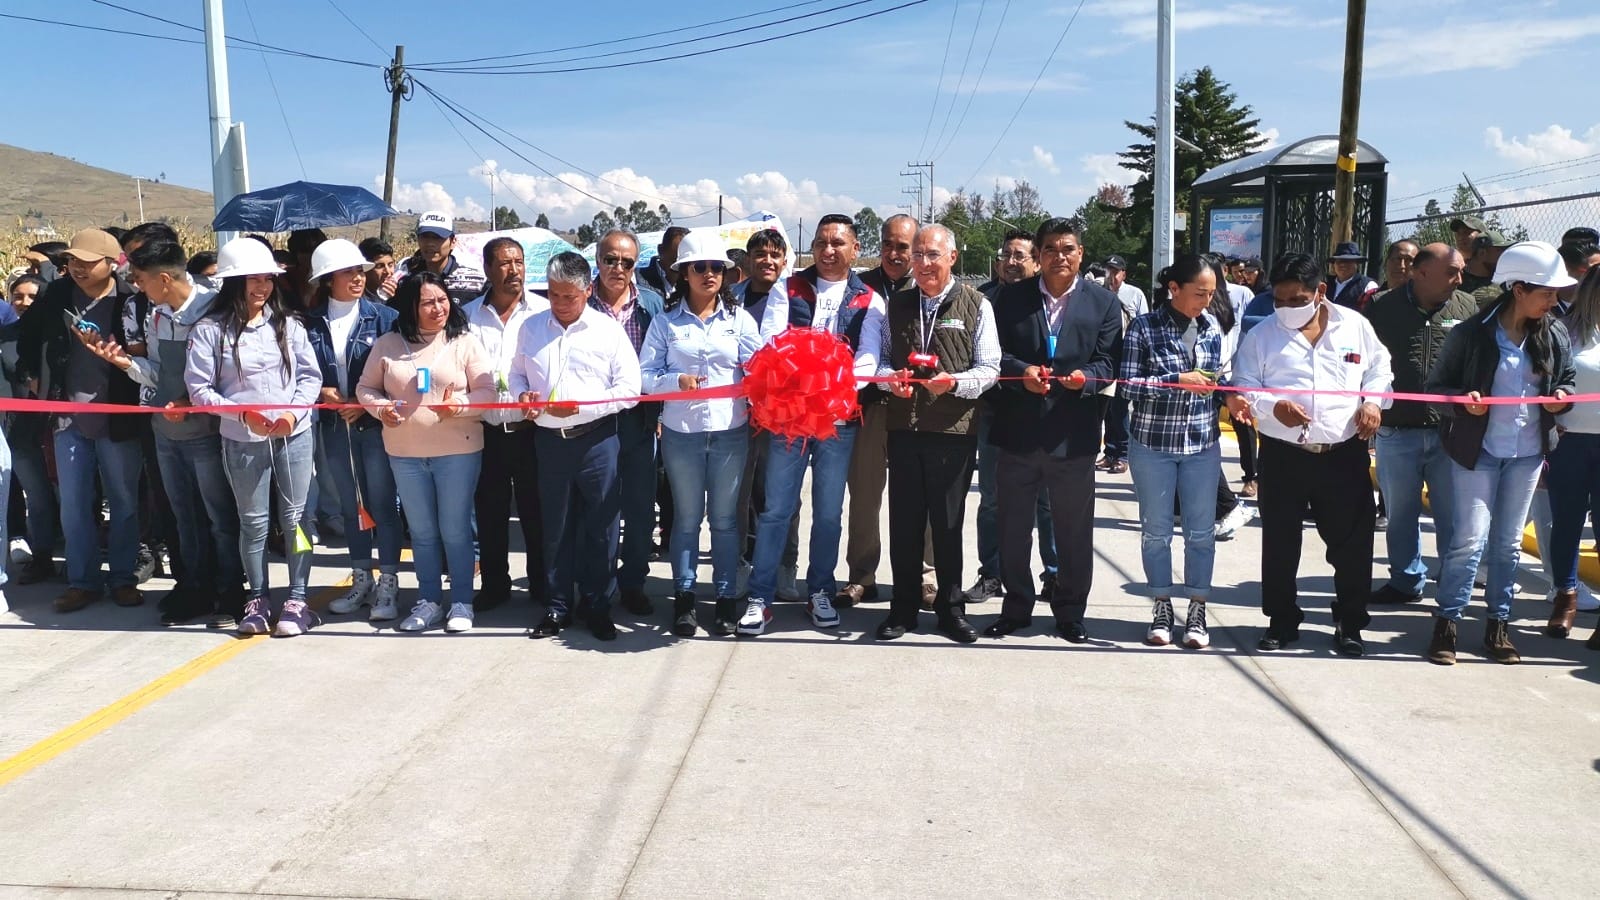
[
  {"x": 1533, "y": 262},
  {"x": 336, "y": 255},
  {"x": 702, "y": 245},
  {"x": 245, "y": 256}
]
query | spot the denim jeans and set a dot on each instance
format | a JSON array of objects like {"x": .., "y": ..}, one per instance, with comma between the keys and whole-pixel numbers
[
  {"x": 253, "y": 468},
  {"x": 1574, "y": 495},
  {"x": 636, "y": 479},
  {"x": 705, "y": 470},
  {"x": 1491, "y": 508},
  {"x": 436, "y": 493},
  {"x": 203, "y": 506},
  {"x": 989, "y": 510},
  {"x": 1408, "y": 458},
  {"x": 44, "y": 511},
  {"x": 78, "y": 459},
  {"x": 786, "y": 470},
  {"x": 5, "y": 492},
  {"x": 356, "y": 461},
  {"x": 1158, "y": 477}
]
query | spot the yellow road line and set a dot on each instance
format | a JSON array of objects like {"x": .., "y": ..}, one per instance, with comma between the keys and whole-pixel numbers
[{"x": 109, "y": 715}]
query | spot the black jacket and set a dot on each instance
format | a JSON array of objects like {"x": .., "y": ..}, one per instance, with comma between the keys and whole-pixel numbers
[
  {"x": 1467, "y": 363},
  {"x": 1063, "y": 423},
  {"x": 1415, "y": 339},
  {"x": 43, "y": 341}
]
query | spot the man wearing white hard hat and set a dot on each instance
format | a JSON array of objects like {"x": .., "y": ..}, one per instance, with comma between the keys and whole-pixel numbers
[
  {"x": 1513, "y": 348},
  {"x": 50, "y": 350},
  {"x": 436, "y": 241},
  {"x": 342, "y": 325}
]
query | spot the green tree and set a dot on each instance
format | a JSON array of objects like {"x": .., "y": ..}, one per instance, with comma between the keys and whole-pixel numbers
[
  {"x": 1101, "y": 219},
  {"x": 665, "y": 215},
  {"x": 543, "y": 221},
  {"x": 505, "y": 217},
  {"x": 1208, "y": 115},
  {"x": 870, "y": 227},
  {"x": 603, "y": 223}
]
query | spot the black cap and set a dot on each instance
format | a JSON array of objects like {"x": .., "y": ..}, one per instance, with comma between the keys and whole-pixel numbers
[
  {"x": 1116, "y": 262},
  {"x": 1580, "y": 236}
]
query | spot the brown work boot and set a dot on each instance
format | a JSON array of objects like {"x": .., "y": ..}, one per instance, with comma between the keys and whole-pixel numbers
[
  {"x": 852, "y": 594},
  {"x": 127, "y": 595},
  {"x": 1561, "y": 616},
  {"x": 1442, "y": 649},
  {"x": 74, "y": 599},
  {"x": 1497, "y": 641}
]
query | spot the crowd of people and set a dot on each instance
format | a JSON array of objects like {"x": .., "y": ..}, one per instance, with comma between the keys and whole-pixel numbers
[{"x": 332, "y": 390}]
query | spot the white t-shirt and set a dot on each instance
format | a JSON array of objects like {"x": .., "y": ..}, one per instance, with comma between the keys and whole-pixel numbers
[
  {"x": 830, "y": 299},
  {"x": 342, "y": 319}
]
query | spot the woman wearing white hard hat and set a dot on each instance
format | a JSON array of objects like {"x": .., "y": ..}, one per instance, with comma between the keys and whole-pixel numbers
[
  {"x": 343, "y": 327},
  {"x": 250, "y": 352},
  {"x": 1514, "y": 348},
  {"x": 1574, "y": 476},
  {"x": 702, "y": 341}
]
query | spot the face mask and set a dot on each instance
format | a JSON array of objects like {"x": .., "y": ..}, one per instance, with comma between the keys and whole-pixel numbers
[{"x": 1295, "y": 318}]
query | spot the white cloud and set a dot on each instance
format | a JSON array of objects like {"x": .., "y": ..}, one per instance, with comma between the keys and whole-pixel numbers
[
  {"x": 1138, "y": 21},
  {"x": 1045, "y": 160},
  {"x": 1272, "y": 135},
  {"x": 1554, "y": 144},
  {"x": 1430, "y": 51},
  {"x": 431, "y": 195},
  {"x": 1106, "y": 168},
  {"x": 1066, "y": 82}
]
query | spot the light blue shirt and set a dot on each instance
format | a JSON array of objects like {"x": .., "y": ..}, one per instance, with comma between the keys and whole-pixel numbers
[
  {"x": 1513, "y": 429},
  {"x": 679, "y": 343}
]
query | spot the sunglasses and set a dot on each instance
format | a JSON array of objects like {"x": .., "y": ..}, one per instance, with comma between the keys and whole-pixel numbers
[
  {"x": 619, "y": 262},
  {"x": 702, "y": 266}
]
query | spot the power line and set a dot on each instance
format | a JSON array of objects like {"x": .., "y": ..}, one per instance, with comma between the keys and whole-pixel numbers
[
  {"x": 973, "y": 93},
  {"x": 1036, "y": 79},
  {"x": 357, "y": 26},
  {"x": 249, "y": 44},
  {"x": 1540, "y": 169},
  {"x": 495, "y": 174},
  {"x": 641, "y": 62},
  {"x": 284, "y": 113},
  {"x": 961, "y": 80},
  {"x": 938, "y": 86}
]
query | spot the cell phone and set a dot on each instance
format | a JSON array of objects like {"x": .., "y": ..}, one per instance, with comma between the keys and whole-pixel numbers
[{"x": 424, "y": 380}]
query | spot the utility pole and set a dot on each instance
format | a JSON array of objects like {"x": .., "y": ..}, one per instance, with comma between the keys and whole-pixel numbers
[
  {"x": 139, "y": 189},
  {"x": 494, "y": 211},
  {"x": 1344, "y": 176},
  {"x": 399, "y": 85},
  {"x": 222, "y": 180},
  {"x": 1166, "y": 100},
  {"x": 927, "y": 213},
  {"x": 719, "y": 209}
]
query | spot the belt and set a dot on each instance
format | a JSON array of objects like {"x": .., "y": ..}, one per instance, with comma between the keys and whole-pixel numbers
[
  {"x": 1311, "y": 448},
  {"x": 578, "y": 431}
]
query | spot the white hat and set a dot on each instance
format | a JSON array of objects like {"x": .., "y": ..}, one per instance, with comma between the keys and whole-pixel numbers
[
  {"x": 436, "y": 223},
  {"x": 702, "y": 245},
  {"x": 1533, "y": 262},
  {"x": 335, "y": 256},
  {"x": 245, "y": 256}
]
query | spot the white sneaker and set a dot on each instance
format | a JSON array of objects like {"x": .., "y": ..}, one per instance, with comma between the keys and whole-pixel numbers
[
  {"x": 755, "y": 619},
  {"x": 426, "y": 614},
  {"x": 1234, "y": 520},
  {"x": 1195, "y": 634},
  {"x": 823, "y": 615},
  {"x": 741, "y": 584},
  {"x": 460, "y": 618},
  {"x": 4, "y": 606},
  {"x": 21, "y": 553},
  {"x": 385, "y": 600},
  {"x": 788, "y": 583},
  {"x": 1160, "y": 633},
  {"x": 359, "y": 595}
]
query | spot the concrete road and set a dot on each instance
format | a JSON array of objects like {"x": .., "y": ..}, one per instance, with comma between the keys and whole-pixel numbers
[{"x": 137, "y": 761}]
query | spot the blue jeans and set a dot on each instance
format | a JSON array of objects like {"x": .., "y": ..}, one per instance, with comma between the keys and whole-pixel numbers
[
  {"x": 1158, "y": 476},
  {"x": 5, "y": 492},
  {"x": 1408, "y": 458},
  {"x": 1491, "y": 508},
  {"x": 636, "y": 477},
  {"x": 253, "y": 468},
  {"x": 705, "y": 471},
  {"x": 989, "y": 510},
  {"x": 786, "y": 471},
  {"x": 1574, "y": 494},
  {"x": 198, "y": 490},
  {"x": 437, "y": 494},
  {"x": 356, "y": 461},
  {"x": 78, "y": 459},
  {"x": 44, "y": 512}
]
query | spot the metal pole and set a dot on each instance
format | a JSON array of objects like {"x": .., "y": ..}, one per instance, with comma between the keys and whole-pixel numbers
[
  {"x": 222, "y": 185},
  {"x": 139, "y": 189},
  {"x": 1161, "y": 228},
  {"x": 397, "y": 90},
  {"x": 1344, "y": 175},
  {"x": 719, "y": 209}
]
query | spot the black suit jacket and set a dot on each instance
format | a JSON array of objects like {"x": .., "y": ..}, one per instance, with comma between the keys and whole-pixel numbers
[{"x": 1064, "y": 422}]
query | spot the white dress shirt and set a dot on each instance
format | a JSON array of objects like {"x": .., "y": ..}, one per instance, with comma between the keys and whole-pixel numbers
[
  {"x": 500, "y": 340},
  {"x": 1347, "y": 357},
  {"x": 985, "y": 367},
  {"x": 590, "y": 360}
]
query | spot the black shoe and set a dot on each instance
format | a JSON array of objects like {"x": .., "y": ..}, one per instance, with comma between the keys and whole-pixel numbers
[
  {"x": 984, "y": 588},
  {"x": 959, "y": 630},
  {"x": 1004, "y": 626},
  {"x": 1047, "y": 587},
  {"x": 684, "y": 623},
  {"x": 227, "y": 611},
  {"x": 891, "y": 629},
  {"x": 635, "y": 601},
  {"x": 1073, "y": 631},
  {"x": 1391, "y": 594},
  {"x": 1348, "y": 643},
  {"x": 40, "y": 569},
  {"x": 601, "y": 626},
  {"x": 144, "y": 566},
  {"x": 550, "y": 626},
  {"x": 1277, "y": 639},
  {"x": 727, "y": 621},
  {"x": 490, "y": 598},
  {"x": 180, "y": 606}
]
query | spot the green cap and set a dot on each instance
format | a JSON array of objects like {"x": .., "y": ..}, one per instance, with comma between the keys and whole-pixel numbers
[
  {"x": 1470, "y": 222},
  {"x": 1493, "y": 238}
]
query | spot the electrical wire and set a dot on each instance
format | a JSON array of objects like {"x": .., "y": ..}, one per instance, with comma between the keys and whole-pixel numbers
[
  {"x": 249, "y": 44},
  {"x": 938, "y": 86},
  {"x": 961, "y": 80},
  {"x": 939, "y": 152},
  {"x": 357, "y": 26},
  {"x": 284, "y": 113},
  {"x": 1540, "y": 169},
  {"x": 1036, "y": 79},
  {"x": 495, "y": 174}
]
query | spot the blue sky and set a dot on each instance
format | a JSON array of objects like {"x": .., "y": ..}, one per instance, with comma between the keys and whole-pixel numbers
[{"x": 814, "y": 124}]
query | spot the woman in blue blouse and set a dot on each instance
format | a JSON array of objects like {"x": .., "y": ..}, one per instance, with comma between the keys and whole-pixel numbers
[
  {"x": 1170, "y": 360},
  {"x": 702, "y": 341}
]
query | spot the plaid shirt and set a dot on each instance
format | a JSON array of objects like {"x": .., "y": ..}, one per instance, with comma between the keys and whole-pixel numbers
[
  {"x": 1169, "y": 419},
  {"x": 628, "y": 318}
]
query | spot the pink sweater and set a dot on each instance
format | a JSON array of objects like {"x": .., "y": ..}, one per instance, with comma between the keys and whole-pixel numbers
[{"x": 461, "y": 365}]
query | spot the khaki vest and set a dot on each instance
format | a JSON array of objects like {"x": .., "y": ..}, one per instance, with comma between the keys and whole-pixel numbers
[{"x": 953, "y": 345}]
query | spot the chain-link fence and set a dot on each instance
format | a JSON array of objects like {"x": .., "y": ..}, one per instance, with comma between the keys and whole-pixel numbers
[{"x": 1532, "y": 220}]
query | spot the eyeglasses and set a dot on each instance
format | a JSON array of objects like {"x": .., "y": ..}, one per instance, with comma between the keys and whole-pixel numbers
[
  {"x": 928, "y": 255},
  {"x": 618, "y": 262},
  {"x": 1013, "y": 257},
  {"x": 702, "y": 266}
]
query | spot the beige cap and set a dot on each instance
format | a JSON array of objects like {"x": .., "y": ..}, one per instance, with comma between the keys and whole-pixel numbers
[{"x": 93, "y": 245}]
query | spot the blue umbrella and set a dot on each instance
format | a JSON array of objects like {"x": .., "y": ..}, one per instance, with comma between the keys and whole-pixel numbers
[{"x": 300, "y": 204}]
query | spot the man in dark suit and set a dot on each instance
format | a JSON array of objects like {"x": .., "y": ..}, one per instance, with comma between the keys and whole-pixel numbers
[
  {"x": 1061, "y": 336},
  {"x": 659, "y": 275}
]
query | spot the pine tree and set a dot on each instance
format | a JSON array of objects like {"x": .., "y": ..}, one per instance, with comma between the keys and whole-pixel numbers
[
  {"x": 543, "y": 221},
  {"x": 869, "y": 228}
]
